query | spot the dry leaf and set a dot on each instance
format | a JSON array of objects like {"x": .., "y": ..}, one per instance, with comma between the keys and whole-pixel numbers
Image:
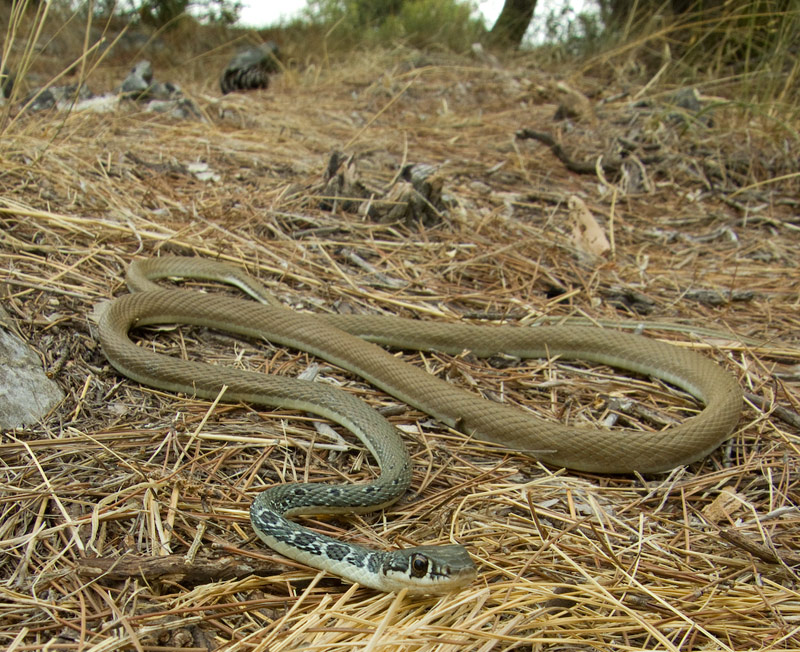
[
  {"x": 587, "y": 234},
  {"x": 724, "y": 505}
]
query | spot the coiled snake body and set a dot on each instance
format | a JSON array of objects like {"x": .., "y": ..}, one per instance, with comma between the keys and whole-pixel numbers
[{"x": 348, "y": 341}]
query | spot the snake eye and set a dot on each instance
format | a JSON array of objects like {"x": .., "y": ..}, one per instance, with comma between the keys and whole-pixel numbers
[{"x": 419, "y": 565}]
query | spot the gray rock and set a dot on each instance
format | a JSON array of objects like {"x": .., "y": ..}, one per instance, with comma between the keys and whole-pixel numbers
[
  {"x": 165, "y": 91},
  {"x": 180, "y": 108},
  {"x": 62, "y": 97},
  {"x": 143, "y": 69},
  {"x": 137, "y": 84},
  {"x": 26, "y": 393}
]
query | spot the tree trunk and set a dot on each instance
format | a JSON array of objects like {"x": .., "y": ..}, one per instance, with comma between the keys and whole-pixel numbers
[{"x": 513, "y": 22}]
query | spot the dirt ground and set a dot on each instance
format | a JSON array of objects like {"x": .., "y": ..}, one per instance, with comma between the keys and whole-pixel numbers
[{"x": 124, "y": 513}]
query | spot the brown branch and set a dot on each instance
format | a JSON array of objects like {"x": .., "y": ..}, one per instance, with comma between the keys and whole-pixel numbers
[
  {"x": 763, "y": 552},
  {"x": 176, "y": 568}
]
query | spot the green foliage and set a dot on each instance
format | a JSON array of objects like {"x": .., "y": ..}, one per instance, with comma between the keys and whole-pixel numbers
[
  {"x": 160, "y": 13},
  {"x": 747, "y": 50},
  {"x": 224, "y": 12},
  {"x": 744, "y": 34},
  {"x": 574, "y": 34},
  {"x": 446, "y": 24}
]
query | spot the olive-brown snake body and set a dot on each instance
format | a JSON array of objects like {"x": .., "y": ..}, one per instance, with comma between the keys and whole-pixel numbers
[{"x": 349, "y": 341}]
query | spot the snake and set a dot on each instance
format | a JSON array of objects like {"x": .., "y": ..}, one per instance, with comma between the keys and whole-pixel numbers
[{"x": 355, "y": 343}]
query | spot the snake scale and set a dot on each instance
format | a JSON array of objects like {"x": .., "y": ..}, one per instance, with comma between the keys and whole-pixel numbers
[{"x": 349, "y": 341}]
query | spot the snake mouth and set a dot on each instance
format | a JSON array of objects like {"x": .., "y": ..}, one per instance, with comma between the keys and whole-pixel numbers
[{"x": 429, "y": 570}]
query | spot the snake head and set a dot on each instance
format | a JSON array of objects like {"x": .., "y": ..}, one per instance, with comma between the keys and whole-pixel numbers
[{"x": 429, "y": 570}]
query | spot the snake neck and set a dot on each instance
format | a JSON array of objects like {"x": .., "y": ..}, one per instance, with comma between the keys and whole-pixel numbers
[{"x": 420, "y": 570}]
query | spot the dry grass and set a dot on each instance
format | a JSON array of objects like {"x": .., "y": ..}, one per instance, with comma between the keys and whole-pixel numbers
[{"x": 121, "y": 470}]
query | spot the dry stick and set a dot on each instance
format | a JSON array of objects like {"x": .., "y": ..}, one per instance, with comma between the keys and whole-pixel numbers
[
  {"x": 784, "y": 414},
  {"x": 765, "y": 553},
  {"x": 198, "y": 571}
]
